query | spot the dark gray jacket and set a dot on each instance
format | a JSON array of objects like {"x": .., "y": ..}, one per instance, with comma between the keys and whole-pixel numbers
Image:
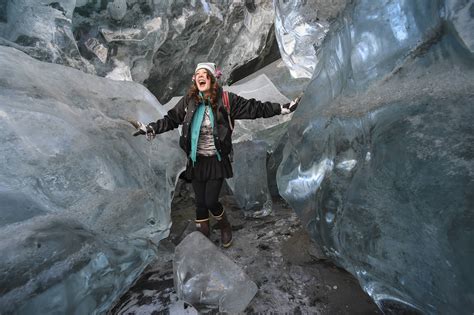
[{"x": 240, "y": 108}]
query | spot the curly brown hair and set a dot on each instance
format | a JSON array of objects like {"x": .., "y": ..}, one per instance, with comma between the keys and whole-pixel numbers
[{"x": 194, "y": 91}]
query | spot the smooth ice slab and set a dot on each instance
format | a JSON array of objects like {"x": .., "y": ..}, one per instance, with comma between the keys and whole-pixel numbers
[
  {"x": 250, "y": 184},
  {"x": 83, "y": 203},
  {"x": 204, "y": 275},
  {"x": 278, "y": 73}
]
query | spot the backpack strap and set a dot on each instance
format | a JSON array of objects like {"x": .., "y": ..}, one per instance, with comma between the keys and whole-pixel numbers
[{"x": 225, "y": 100}]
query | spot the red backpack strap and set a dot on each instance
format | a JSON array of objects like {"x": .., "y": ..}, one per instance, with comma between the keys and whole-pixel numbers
[{"x": 225, "y": 99}]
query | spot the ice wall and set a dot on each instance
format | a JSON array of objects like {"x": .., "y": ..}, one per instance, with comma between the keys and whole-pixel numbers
[
  {"x": 229, "y": 33},
  {"x": 379, "y": 165},
  {"x": 83, "y": 204},
  {"x": 156, "y": 42},
  {"x": 300, "y": 28},
  {"x": 43, "y": 30}
]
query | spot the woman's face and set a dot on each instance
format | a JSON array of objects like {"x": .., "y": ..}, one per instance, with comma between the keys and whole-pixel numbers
[{"x": 203, "y": 80}]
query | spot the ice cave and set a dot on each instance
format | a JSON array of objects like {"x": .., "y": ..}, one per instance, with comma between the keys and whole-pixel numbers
[{"x": 376, "y": 165}]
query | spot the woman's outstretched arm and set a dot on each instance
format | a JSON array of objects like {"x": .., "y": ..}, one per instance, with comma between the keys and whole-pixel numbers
[{"x": 242, "y": 108}]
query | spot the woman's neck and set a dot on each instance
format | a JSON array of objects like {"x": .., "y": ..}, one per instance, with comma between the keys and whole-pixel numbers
[{"x": 204, "y": 98}]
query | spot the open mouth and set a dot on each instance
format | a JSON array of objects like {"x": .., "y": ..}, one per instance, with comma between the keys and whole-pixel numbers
[{"x": 201, "y": 82}]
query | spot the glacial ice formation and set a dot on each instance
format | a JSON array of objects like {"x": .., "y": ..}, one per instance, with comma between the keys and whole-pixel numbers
[
  {"x": 377, "y": 160},
  {"x": 130, "y": 31},
  {"x": 379, "y": 163},
  {"x": 250, "y": 184},
  {"x": 229, "y": 33},
  {"x": 83, "y": 204},
  {"x": 279, "y": 75},
  {"x": 43, "y": 30},
  {"x": 139, "y": 40},
  {"x": 300, "y": 28},
  {"x": 204, "y": 275}
]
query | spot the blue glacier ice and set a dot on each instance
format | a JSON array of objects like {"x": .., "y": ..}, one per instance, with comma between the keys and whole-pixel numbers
[
  {"x": 83, "y": 203},
  {"x": 300, "y": 28},
  {"x": 205, "y": 276},
  {"x": 379, "y": 163},
  {"x": 139, "y": 40}
]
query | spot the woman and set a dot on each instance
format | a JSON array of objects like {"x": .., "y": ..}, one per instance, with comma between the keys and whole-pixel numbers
[{"x": 207, "y": 139}]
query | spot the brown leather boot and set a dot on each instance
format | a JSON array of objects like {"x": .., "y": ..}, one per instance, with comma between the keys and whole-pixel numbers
[
  {"x": 226, "y": 230},
  {"x": 203, "y": 227}
]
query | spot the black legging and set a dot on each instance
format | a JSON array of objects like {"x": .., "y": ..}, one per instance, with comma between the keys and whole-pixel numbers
[{"x": 207, "y": 197}]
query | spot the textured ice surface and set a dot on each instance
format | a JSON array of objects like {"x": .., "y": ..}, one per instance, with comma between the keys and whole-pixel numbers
[
  {"x": 131, "y": 33},
  {"x": 379, "y": 165},
  {"x": 133, "y": 39},
  {"x": 279, "y": 74},
  {"x": 460, "y": 16},
  {"x": 203, "y": 275},
  {"x": 300, "y": 28},
  {"x": 81, "y": 200},
  {"x": 181, "y": 308},
  {"x": 43, "y": 30},
  {"x": 229, "y": 33}
]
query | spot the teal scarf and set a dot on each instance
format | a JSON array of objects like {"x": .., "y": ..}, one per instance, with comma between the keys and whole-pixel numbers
[{"x": 196, "y": 128}]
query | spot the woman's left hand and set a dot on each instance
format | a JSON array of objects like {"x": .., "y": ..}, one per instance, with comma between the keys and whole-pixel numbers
[{"x": 290, "y": 107}]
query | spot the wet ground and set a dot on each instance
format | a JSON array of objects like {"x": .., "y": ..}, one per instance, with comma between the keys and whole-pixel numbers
[{"x": 291, "y": 272}]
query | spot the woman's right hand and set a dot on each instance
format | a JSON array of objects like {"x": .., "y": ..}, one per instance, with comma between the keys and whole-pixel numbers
[{"x": 290, "y": 107}]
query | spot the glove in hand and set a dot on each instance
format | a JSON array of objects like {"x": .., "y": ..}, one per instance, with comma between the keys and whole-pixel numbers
[
  {"x": 143, "y": 129},
  {"x": 290, "y": 107}
]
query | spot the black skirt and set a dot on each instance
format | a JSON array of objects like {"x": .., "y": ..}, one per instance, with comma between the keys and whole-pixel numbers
[{"x": 209, "y": 167}]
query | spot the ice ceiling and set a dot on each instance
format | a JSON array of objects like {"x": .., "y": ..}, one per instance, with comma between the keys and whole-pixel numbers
[{"x": 377, "y": 160}]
